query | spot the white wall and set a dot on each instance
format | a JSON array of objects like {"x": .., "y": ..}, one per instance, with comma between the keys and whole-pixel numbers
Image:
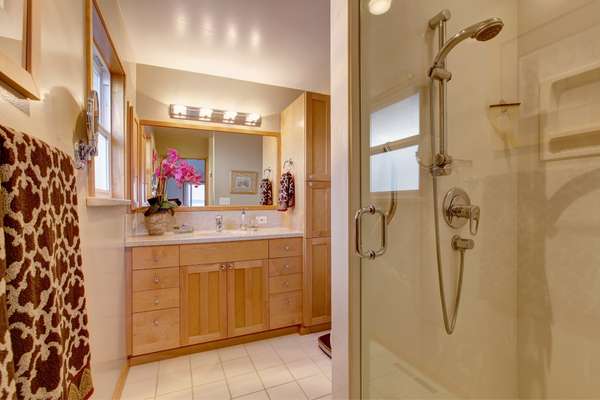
[{"x": 56, "y": 119}]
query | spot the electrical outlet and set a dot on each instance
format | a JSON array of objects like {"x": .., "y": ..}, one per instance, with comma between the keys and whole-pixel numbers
[{"x": 261, "y": 220}]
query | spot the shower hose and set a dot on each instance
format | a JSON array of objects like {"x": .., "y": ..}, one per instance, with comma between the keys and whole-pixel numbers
[{"x": 449, "y": 321}]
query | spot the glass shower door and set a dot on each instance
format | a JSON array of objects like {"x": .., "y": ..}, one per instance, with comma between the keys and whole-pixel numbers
[{"x": 515, "y": 184}]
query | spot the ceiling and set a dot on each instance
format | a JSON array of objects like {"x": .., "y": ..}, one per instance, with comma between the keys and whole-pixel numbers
[{"x": 276, "y": 42}]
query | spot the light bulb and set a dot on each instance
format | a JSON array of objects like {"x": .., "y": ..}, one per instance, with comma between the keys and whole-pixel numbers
[
  {"x": 179, "y": 109},
  {"x": 205, "y": 113},
  {"x": 229, "y": 115},
  {"x": 378, "y": 7}
]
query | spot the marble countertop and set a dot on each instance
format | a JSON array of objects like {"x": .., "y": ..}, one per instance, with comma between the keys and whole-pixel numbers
[{"x": 171, "y": 238}]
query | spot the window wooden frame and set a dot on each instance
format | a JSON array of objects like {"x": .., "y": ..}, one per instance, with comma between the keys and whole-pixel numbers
[
  {"x": 97, "y": 35},
  {"x": 21, "y": 77},
  {"x": 209, "y": 128}
]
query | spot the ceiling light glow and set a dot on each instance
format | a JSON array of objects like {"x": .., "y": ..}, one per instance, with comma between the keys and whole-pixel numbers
[{"x": 378, "y": 7}]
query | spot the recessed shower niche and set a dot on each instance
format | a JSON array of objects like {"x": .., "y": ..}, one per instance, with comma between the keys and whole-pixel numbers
[{"x": 570, "y": 113}]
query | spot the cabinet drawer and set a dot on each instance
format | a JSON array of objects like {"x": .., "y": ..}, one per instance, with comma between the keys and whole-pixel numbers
[
  {"x": 155, "y": 257},
  {"x": 285, "y": 283},
  {"x": 150, "y": 300},
  {"x": 285, "y": 247},
  {"x": 285, "y": 266},
  {"x": 208, "y": 253},
  {"x": 148, "y": 279},
  {"x": 155, "y": 330},
  {"x": 285, "y": 309}
]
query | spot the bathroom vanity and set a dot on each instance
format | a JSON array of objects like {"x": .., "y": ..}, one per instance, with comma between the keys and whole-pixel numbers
[{"x": 190, "y": 289}]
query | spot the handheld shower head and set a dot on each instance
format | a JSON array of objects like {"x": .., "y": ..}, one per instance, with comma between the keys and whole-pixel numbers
[{"x": 481, "y": 31}]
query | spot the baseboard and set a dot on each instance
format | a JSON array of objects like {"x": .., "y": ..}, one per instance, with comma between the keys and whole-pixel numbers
[
  {"x": 196, "y": 348},
  {"x": 121, "y": 381},
  {"x": 305, "y": 330}
]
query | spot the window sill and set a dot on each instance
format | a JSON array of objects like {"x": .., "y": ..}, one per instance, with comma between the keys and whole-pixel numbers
[{"x": 106, "y": 202}]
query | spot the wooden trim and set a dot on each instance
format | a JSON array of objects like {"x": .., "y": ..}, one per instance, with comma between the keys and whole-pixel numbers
[
  {"x": 206, "y": 127},
  {"x": 128, "y": 300},
  {"x": 120, "y": 385},
  {"x": 215, "y": 208},
  {"x": 305, "y": 330},
  {"x": 21, "y": 77},
  {"x": 163, "y": 355},
  {"x": 106, "y": 46}
]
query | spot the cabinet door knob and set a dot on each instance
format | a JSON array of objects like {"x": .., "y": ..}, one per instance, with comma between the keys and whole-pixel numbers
[
  {"x": 156, "y": 301},
  {"x": 156, "y": 279},
  {"x": 222, "y": 267},
  {"x": 155, "y": 322},
  {"x": 286, "y": 266},
  {"x": 286, "y": 284},
  {"x": 286, "y": 247},
  {"x": 230, "y": 266}
]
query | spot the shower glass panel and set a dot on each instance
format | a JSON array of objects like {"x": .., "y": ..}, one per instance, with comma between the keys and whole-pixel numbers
[{"x": 522, "y": 119}]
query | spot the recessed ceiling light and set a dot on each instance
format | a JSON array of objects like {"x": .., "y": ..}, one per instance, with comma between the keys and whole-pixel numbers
[{"x": 378, "y": 7}]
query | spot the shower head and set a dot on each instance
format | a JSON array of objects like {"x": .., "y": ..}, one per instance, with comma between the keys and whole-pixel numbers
[{"x": 481, "y": 31}]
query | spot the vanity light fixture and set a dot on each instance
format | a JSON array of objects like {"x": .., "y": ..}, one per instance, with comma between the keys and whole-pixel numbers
[{"x": 206, "y": 114}]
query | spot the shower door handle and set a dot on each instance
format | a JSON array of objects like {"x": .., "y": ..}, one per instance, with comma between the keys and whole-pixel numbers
[{"x": 370, "y": 254}]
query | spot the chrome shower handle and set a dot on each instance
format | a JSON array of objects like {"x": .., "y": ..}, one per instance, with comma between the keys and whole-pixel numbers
[{"x": 370, "y": 254}]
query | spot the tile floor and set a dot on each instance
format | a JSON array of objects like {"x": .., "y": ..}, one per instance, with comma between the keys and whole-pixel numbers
[{"x": 285, "y": 368}]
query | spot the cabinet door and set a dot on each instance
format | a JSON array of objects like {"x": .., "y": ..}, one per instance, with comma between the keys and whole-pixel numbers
[
  {"x": 203, "y": 303},
  {"x": 317, "y": 282},
  {"x": 248, "y": 297},
  {"x": 318, "y": 206},
  {"x": 318, "y": 144}
]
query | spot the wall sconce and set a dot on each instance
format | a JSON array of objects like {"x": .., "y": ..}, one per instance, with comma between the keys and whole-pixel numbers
[
  {"x": 86, "y": 150},
  {"x": 179, "y": 111}
]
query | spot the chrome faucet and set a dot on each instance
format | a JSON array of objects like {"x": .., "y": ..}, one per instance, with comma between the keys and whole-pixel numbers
[{"x": 219, "y": 223}]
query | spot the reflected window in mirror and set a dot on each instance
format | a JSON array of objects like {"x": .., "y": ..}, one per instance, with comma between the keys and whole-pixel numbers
[{"x": 190, "y": 195}]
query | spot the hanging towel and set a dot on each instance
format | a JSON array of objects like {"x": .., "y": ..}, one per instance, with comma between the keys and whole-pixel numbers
[
  {"x": 287, "y": 195},
  {"x": 266, "y": 192},
  {"x": 44, "y": 340}
]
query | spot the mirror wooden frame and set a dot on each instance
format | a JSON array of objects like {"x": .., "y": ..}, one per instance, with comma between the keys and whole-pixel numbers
[
  {"x": 137, "y": 182},
  {"x": 21, "y": 77}
]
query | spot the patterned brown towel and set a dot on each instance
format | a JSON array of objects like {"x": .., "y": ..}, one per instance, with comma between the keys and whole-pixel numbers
[
  {"x": 287, "y": 192},
  {"x": 266, "y": 192},
  {"x": 44, "y": 341}
]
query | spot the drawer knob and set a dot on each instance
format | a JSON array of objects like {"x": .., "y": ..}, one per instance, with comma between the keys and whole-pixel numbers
[
  {"x": 286, "y": 266},
  {"x": 156, "y": 279},
  {"x": 156, "y": 301},
  {"x": 288, "y": 302},
  {"x": 286, "y": 284},
  {"x": 155, "y": 322},
  {"x": 286, "y": 247},
  {"x": 222, "y": 267}
]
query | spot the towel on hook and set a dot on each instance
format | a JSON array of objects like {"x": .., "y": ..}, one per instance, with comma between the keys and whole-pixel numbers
[
  {"x": 266, "y": 192},
  {"x": 287, "y": 195},
  {"x": 44, "y": 340}
]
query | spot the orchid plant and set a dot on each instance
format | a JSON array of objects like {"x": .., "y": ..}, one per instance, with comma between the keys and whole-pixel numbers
[{"x": 171, "y": 167}]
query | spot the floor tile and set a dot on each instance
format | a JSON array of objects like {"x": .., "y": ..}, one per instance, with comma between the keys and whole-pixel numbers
[
  {"x": 244, "y": 384},
  {"x": 275, "y": 376},
  {"x": 258, "y": 347},
  {"x": 139, "y": 390},
  {"x": 238, "y": 366},
  {"x": 265, "y": 359},
  {"x": 303, "y": 368},
  {"x": 232, "y": 352},
  {"x": 262, "y": 395},
  {"x": 212, "y": 391},
  {"x": 289, "y": 391},
  {"x": 328, "y": 397},
  {"x": 207, "y": 373},
  {"x": 182, "y": 395},
  {"x": 289, "y": 352},
  {"x": 174, "y": 364},
  {"x": 205, "y": 357},
  {"x": 143, "y": 372},
  {"x": 325, "y": 367},
  {"x": 173, "y": 381},
  {"x": 315, "y": 386}
]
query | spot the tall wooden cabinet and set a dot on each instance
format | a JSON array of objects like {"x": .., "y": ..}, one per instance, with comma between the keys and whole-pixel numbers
[{"x": 313, "y": 172}]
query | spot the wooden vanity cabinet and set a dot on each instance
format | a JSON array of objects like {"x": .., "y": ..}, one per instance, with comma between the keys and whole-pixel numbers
[{"x": 197, "y": 293}]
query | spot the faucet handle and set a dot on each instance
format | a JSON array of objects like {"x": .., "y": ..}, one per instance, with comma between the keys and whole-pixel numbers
[{"x": 474, "y": 216}]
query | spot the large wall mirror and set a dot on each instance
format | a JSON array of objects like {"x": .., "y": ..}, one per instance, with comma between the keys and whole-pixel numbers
[
  {"x": 19, "y": 44},
  {"x": 231, "y": 163}
]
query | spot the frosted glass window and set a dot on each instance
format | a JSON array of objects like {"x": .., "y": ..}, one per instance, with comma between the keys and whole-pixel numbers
[
  {"x": 395, "y": 171},
  {"x": 102, "y": 165},
  {"x": 396, "y": 121}
]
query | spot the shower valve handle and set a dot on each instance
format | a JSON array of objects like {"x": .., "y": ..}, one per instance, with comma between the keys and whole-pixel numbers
[{"x": 469, "y": 212}]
